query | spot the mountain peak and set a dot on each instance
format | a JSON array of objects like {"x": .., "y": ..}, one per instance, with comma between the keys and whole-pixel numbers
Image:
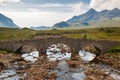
[
  {"x": 92, "y": 10},
  {"x": 91, "y": 16},
  {"x": 61, "y": 25},
  {"x": 7, "y": 22},
  {"x": 116, "y": 9}
]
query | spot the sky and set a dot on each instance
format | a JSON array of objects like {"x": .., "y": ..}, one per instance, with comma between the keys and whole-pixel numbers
[{"x": 27, "y": 13}]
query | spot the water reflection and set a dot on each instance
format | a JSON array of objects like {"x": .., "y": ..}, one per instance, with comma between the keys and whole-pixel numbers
[
  {"x": 86, "y": 56},
  {"x": 64, "y": 72},
  {"x": 58, "y": 51}
]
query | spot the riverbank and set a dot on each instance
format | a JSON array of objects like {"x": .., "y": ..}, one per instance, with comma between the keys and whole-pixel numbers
[{"x": 100, "y": 69}]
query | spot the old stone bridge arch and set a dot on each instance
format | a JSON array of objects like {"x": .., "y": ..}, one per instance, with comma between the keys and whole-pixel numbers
[{"x": 43, "y": 43}]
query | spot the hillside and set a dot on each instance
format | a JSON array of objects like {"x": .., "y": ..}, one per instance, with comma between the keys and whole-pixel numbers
[
  {"x": 61, "y": 25},
  {"x": 105, "y": 18},
  {"x": 105, "y": 33},
  {"x": 7, "y": 22}
]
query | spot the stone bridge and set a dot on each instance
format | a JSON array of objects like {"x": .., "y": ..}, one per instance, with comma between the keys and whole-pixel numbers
[{"x": 43, "y": 43}]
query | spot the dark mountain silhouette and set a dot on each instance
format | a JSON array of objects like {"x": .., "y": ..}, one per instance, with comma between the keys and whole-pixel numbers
[
  {"x": 40, "y": 28},
  {"x": 7, "y": 22},
  {"x": 61, "y": 25},
  {"x": 93, "y": 15},
  {"x": 93, "y": 18}
]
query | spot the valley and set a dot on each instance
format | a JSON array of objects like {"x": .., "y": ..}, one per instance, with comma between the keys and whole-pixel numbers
[{"x": 83, "y": 47}]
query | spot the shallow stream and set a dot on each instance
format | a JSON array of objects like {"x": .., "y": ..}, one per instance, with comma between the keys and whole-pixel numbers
[{"x": 63, "y": 70}]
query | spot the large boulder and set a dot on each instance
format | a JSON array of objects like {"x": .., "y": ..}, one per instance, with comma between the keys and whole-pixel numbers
[
  {"x": 58, "y": 51},
  {"x": 28, "y": 53},
  {"x": 1, "y": 66}
]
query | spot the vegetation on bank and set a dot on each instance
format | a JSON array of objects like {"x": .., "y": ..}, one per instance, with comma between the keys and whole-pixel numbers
[
  {"x": 105, "y": 33},
  {"x": 115, "y": 49},
  {"x": 5, "y": 51}
]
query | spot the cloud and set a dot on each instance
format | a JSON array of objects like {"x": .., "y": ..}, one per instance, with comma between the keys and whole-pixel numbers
[
  {"x": 80, "y": 8},
  {"x": 5, "y": 2},
  {"x": 34, "y": 14},
  {"x": 8, "y": 1},
  {"x": 23, "y": 7},
  {"x": 26, "y": 15},
  {"x": 27, "y": 19},
  {"x": 104, "y": 4},
  {"x": 55, "y": 1},
  {"x": 50, "y": 5}
]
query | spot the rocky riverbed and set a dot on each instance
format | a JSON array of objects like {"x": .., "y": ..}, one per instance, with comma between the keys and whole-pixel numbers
[{"x": 105, "y": 67}]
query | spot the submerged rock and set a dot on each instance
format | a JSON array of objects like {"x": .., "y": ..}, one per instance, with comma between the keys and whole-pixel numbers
[
  {"x": 40, "y": 70},
  {"x": 1, "y": 66},
  {"x": 96, "y": 74},
  {"x": 58, "y": 51},
  {"x": 111, "y": 59}
]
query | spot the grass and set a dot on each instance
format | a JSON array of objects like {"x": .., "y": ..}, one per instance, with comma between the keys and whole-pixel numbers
[
  {"x": 107, "y": 33},
  {"x": 97, "y": 33},
  {"x": 115, "y": 49},
  {"x": 5, "y": 51},
  {"x": 15, "y": 34}
]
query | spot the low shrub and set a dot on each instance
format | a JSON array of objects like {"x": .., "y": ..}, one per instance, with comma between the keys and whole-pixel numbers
[{"x": 115, "y": 49}]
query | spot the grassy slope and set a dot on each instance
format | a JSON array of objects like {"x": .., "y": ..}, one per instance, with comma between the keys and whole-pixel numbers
[
  {"x": 91, "y": 33},
  {"x": 15, "y": 34},
  {"x": 115, "y": 22},
  {"x": 97, "y": 33}
]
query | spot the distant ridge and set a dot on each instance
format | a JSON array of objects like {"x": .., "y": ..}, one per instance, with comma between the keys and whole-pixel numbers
[
  {"x": 93, "y": 15},
  {"x": 61, "y": 25},
  {"x": 40, "y": 28},
  {"x": 90, "y": 18}
]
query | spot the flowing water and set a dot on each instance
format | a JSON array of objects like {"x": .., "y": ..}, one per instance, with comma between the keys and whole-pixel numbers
[
  {"x": 64, "y": 72},
  {"x": 10, "y": 73}
]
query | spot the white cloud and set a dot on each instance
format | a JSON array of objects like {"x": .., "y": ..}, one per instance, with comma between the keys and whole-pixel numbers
[
  {"x": 79, "y": 8},
  {"x": 50, "y": 5},
  {"x": 26, "y": 15},
  {"x": 27, "y": 19},
  {"x": 104, "y": 4},
  {"x": 5, "y": 2}
]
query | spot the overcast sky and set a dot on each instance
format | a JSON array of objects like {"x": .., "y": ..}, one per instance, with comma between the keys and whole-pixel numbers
[{"x": 26, "y": 13}]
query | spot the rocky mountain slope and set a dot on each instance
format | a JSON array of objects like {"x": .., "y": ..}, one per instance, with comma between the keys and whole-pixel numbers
[
  {"x": 93, "y": 18},
  {"x": 7, "y": 22}
]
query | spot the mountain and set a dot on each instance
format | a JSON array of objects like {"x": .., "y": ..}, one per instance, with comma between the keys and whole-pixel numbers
[
  {"x": 40, "y": 28},
  {"x": 93, "y": 15},
  {"x": 92, "y": 18},
  {"x": 7, "y": 22},
  {"x": 88, "y": 16},
  {"x": 113, "y": 13},
  {"x": 61, "y": 25}
]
